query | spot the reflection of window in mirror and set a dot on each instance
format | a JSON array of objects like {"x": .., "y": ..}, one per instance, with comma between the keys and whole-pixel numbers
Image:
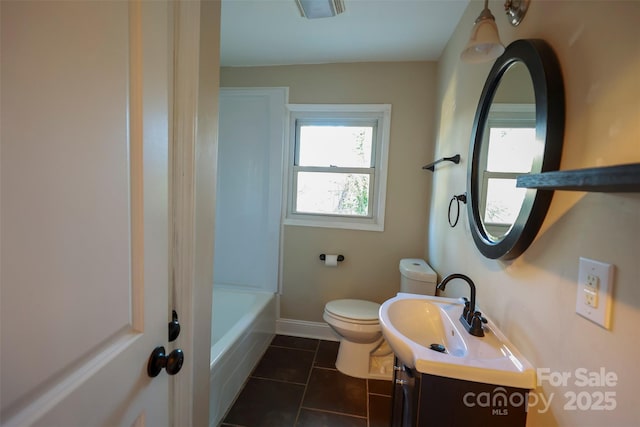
[{"x": 509, "y": 150}]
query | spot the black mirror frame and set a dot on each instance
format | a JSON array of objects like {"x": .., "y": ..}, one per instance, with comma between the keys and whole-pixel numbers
[{"x": 548, "y": 87}]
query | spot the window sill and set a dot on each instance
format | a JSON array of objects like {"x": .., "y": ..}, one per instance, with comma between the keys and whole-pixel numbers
[{"x": 334, "y": 223}]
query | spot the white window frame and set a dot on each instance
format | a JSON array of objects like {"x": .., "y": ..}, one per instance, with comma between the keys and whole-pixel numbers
[
  {"x": 502, "y": 115},
  {"x": 378, "y": 185}
]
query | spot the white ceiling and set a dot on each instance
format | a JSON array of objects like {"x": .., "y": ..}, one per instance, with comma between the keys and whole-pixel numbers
[{"x": 272, "y": 32}]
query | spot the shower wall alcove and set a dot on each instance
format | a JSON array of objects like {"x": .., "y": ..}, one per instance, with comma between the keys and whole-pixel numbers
[
  {"x": 249, "y": 188},
  {"x": 247, "y": 236}
]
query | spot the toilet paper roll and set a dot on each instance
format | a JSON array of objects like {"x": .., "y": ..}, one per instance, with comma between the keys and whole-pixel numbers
[{"x": 331, "y": 260}]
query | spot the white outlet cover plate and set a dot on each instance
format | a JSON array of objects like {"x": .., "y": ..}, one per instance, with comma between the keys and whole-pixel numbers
[{"x": 601, "y": 314}]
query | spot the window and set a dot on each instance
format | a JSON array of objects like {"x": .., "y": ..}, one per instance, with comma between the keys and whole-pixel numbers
[
  {"x": 511, "y": 151},
  {"x": 337, "y": 167}
]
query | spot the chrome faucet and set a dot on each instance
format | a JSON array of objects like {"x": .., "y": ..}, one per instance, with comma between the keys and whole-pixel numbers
[{"x": 470, "y": 318}]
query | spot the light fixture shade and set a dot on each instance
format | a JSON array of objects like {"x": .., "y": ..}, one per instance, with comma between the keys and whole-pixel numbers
[
  {"x": 484, "y": 44},
  {"x": 313, "y": 9}
]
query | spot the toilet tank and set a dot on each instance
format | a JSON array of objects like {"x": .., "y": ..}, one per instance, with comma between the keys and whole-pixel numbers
[{"x": 417, "y": 277}]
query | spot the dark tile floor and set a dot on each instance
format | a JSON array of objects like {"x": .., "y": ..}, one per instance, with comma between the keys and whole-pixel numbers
[{"x": 296, "y": 384}]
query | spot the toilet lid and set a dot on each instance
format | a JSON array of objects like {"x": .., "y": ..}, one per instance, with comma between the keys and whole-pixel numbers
[{"x": 354, "y": 309}]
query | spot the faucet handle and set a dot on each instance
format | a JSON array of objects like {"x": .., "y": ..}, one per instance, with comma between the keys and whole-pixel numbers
[
  {"x": 465, "y": 311},
  {"x": 482, "y": 318},
  {"x": 476, "y": 324}
]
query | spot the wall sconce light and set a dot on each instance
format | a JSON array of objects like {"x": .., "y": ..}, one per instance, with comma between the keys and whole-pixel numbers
[
  {"x": 312, "y": 9},
  {"x": 484, "y": 44}
]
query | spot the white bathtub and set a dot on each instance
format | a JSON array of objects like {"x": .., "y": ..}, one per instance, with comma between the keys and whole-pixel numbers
[{"x": 243, "y": 327}]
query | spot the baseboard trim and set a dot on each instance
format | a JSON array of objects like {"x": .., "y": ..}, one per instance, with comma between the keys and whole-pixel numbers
[{"x": 305, "y": 329}]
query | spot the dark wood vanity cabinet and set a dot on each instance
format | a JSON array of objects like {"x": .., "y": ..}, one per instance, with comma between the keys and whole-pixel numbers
[{"x": 422, "y": 400}]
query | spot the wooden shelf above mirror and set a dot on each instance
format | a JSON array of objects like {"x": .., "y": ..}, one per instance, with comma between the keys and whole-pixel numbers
[{"x": 608, "y": 179}]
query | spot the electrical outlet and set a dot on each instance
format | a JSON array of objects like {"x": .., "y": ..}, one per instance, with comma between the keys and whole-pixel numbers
[
  {"x": 595, "y": 280},
  {"x": 590, "y": 297},
  {"x": 592, "y": 283}
]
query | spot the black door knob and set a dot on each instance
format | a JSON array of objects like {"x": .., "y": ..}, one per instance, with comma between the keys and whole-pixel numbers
[{"x": 158, "y": 360}]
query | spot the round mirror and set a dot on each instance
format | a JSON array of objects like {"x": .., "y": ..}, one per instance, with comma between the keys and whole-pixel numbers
[{"x": 518, "y": 129}]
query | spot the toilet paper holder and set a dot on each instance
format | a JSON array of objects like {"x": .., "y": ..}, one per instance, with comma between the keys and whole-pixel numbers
[{"x": 323, "y": 257}]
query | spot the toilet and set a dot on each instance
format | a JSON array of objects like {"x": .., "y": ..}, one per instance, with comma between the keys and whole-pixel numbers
[{"x": 363, "y": 352}]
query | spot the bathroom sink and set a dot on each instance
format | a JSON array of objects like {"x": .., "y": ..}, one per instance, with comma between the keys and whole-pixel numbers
[{"x": 425, "y": 333}]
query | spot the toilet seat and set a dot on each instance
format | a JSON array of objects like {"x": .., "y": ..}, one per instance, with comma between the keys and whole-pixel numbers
[
  {"x": 357, "y": 325},
  {"x": 353, "y": 311}
]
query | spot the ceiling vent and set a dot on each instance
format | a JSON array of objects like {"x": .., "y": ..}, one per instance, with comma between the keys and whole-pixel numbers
[{"x": 313, "y": 9}]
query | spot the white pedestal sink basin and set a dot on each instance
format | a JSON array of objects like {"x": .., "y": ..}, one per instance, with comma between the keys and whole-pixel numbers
[{"x": 412, "y": 323}]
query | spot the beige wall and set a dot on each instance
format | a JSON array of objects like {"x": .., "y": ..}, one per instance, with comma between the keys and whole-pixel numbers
[
  {"x": 370, "y": 269},
  {"x": 533, "y": 297}
]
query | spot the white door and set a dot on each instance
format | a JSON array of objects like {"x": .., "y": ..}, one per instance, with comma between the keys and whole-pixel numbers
[{"x": 84, "y": 212}]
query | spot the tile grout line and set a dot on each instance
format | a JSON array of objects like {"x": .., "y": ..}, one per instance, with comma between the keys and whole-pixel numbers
[
  {"x": 275, "y": 380},
  {"x": 292, "y": 348},
  {"x": 324, "y": 368},
  {"x": 326, "y": 411},
  {"x": 379, "y": 394},
  {"x": 315, "y": 355}
]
